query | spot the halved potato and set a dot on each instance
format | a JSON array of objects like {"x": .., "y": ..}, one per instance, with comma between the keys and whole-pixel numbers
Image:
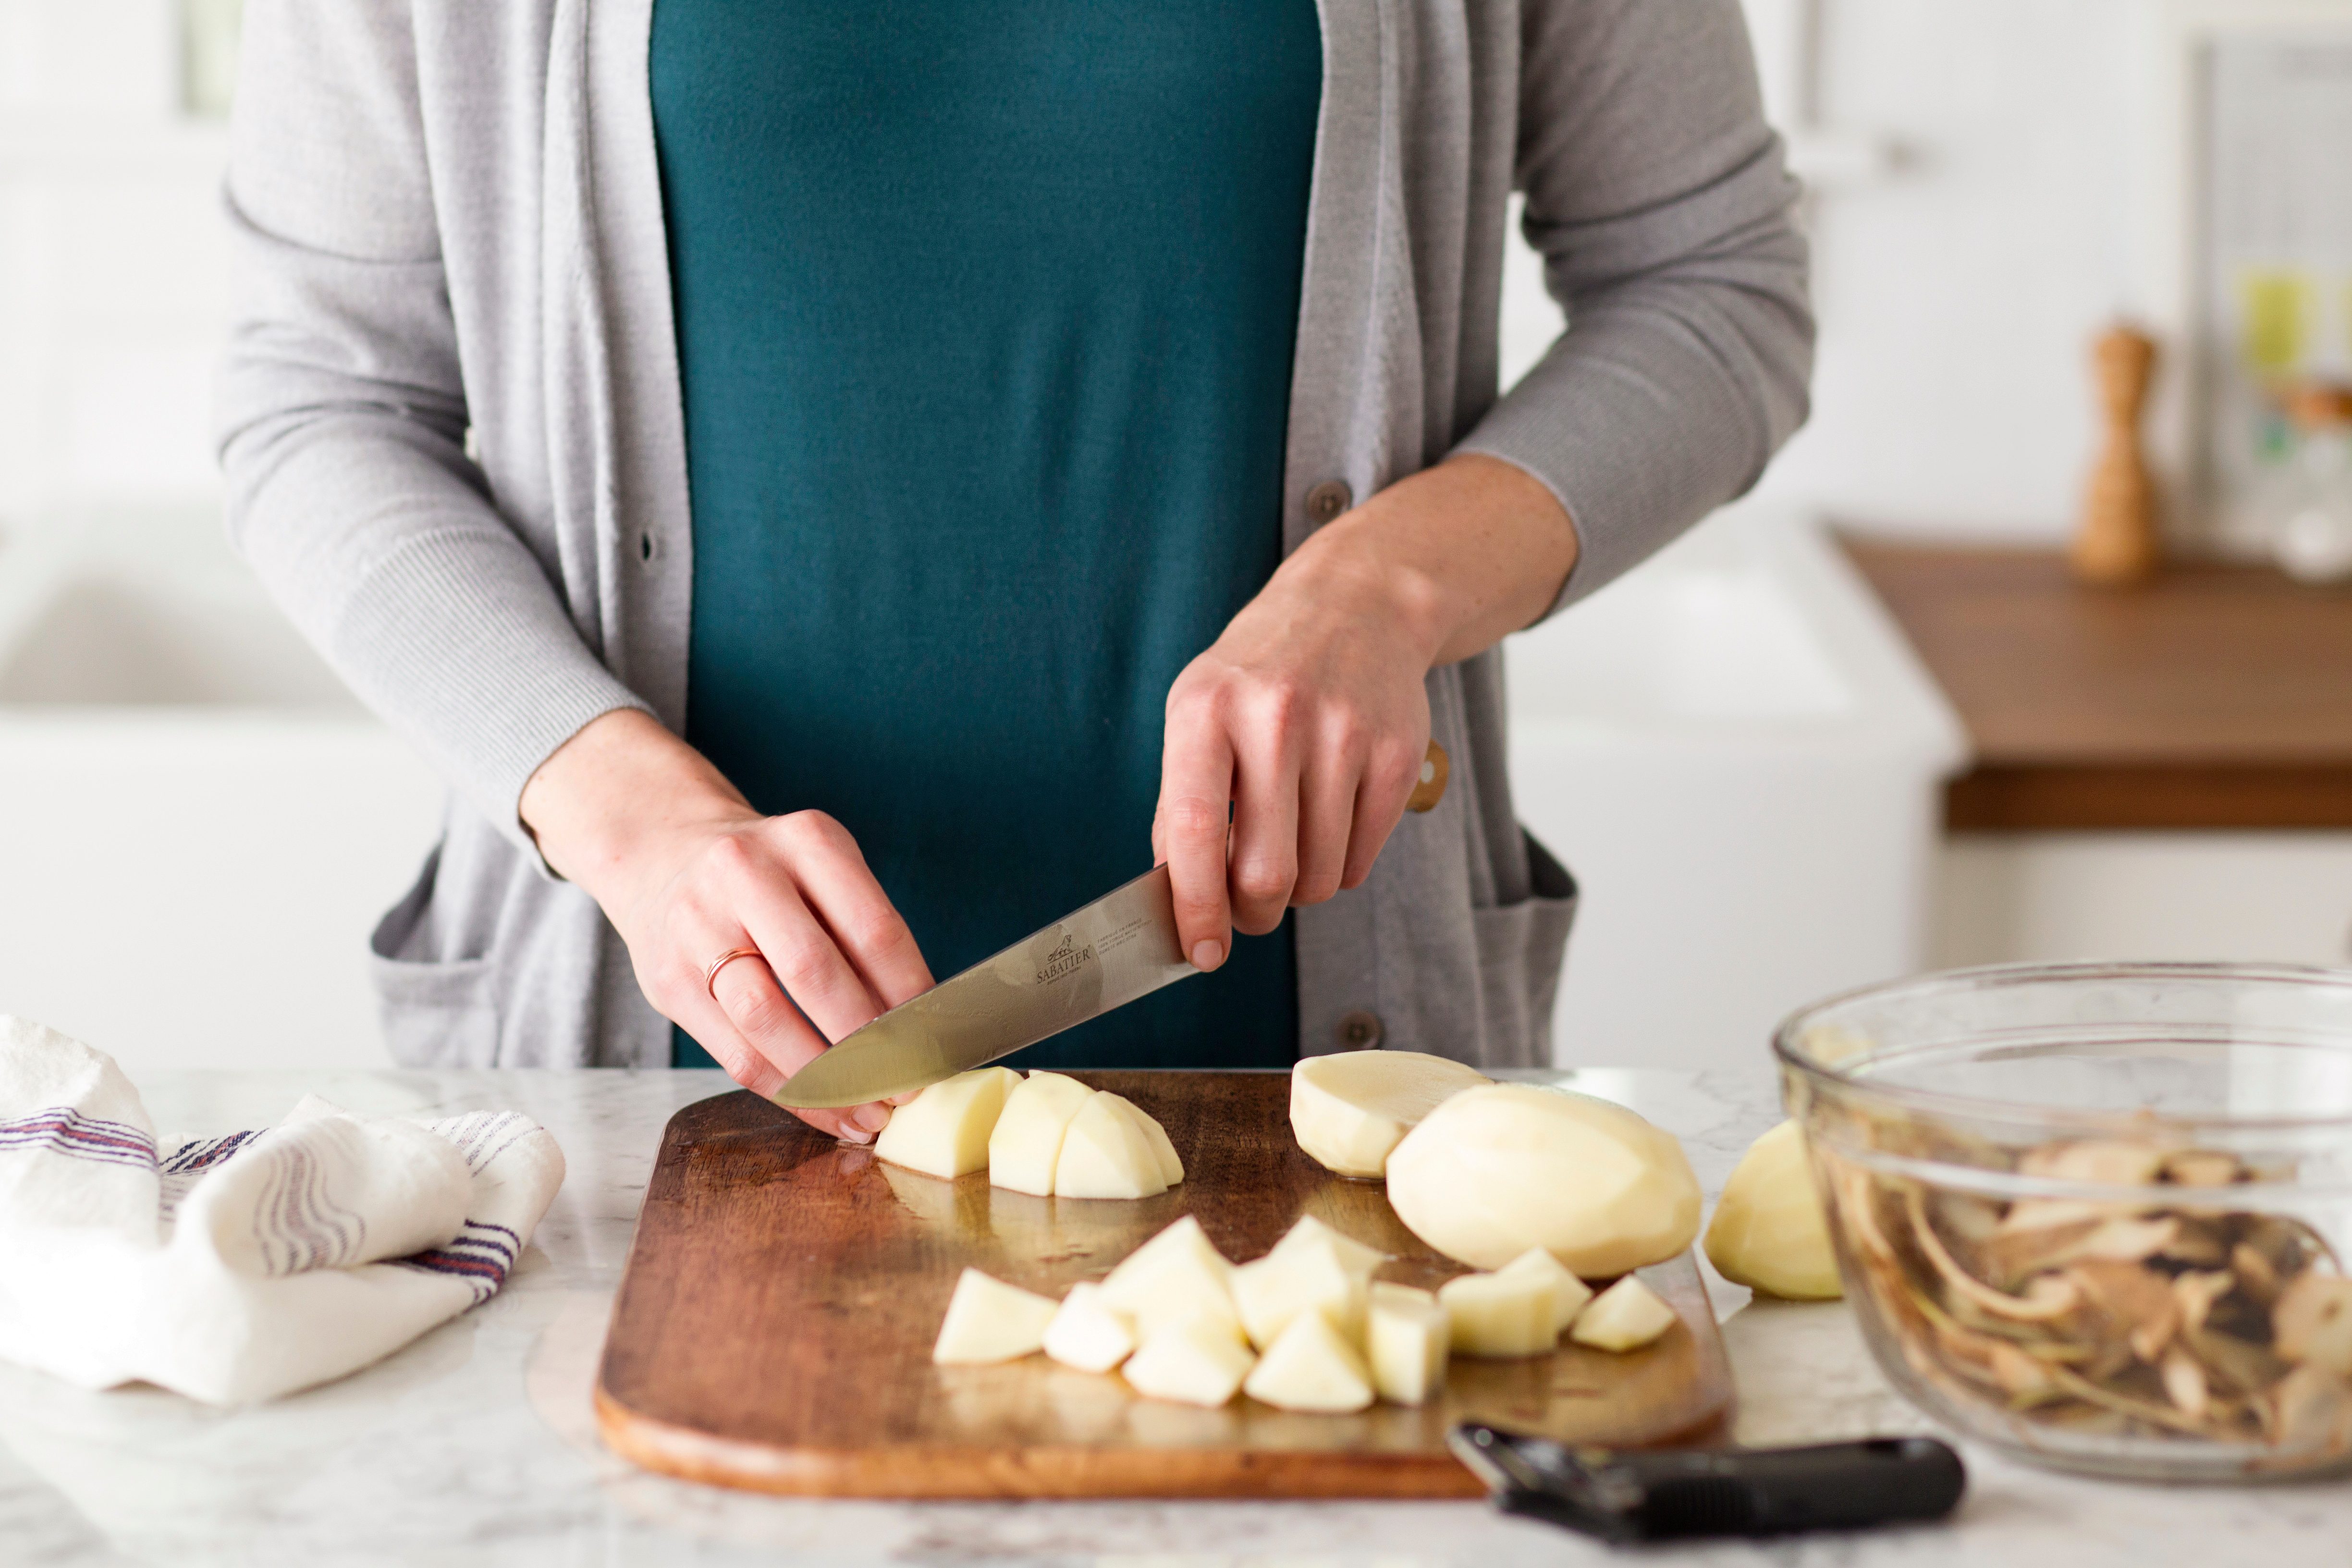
[
  {"x": 1769, "y": 1232},
  {"x": 1501, "y": 1168},
  {"x": 1350, "y": 1109}
]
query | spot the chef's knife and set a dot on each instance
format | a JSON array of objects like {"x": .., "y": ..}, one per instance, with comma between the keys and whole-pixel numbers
[{"x": 1122, "y": 946}]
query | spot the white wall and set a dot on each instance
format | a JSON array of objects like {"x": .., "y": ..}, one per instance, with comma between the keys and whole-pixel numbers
[{"x": 2277, "y": 896}]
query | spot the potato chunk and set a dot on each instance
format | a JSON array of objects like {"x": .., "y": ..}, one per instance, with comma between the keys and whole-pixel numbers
[
  {"x": 1569, "y": 1294},
  {"x": 1769, "y": 1232},
  {"x": 1407, "y": 1340},
  {"x": 944, "y": 1131},
  {"x": 1311, "y": 1365},
  {"x": 1105, "y": 1154},
  {"x": 1294, "y": 1280},
  {"x": 1088, "y": 1333},
  {"x": 1500, "y": 1315},
  {"x": 989, "y": 1321},
  {"x": 1347, "y": 1110},
  {"x": 1626, "y": 1316},
  {"x": 1498, "y": 1169},
  {"x": 1194, "y": 1363},
  {"x": 1171, "y": 1169},
  {"x": 1027, "y": 1143},
  {"x": 1177, "y": 1276}
]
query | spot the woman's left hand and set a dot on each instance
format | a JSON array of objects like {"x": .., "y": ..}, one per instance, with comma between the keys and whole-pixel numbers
[{"x": 1293, "y": 742}]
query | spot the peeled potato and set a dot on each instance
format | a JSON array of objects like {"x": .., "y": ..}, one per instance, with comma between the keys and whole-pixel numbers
[
  {"x": 944, "y": 1131},
  {"x": 1105, "y": 1154},
  {"x": 1310, "y": 1366},
  {"x": 1194, "y": 1363},
  {"x": 989, "y": 1321},
  {"x": 1027, "y": 1139},
  {"x": 1171, "y": 1169},
  {"x": 1293, "y": 1281},
  {"x": 1349, "y": 1110},
  {"x": 1500, "y": 1315},
  {"x": 1178, "y": 1277},
  {"x": 1088, "y": 1333},
  {"x": 1501, "y": 1168},
  {"x": 1407, "y": 1339},
  {"x": 1626, "y": 1316},
  {"x": 1569, "y": 1294},
  {"x": 1768, "y": 1232}
]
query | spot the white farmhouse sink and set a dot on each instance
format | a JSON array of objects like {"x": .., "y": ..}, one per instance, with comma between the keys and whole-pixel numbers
[
  {"x": 1740, "y": 758},
  {"x": 198, "y": 826}
]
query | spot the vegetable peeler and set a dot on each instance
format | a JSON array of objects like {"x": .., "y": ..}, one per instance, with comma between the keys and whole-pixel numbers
[{"x": 1627, "y": 1495}]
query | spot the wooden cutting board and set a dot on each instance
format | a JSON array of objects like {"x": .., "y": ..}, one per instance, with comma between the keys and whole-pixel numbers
[{"x": 773, "y": 1329}]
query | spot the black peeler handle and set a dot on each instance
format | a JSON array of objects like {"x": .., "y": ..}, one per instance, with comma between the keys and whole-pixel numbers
[{"x": 1622, "y": 1494}]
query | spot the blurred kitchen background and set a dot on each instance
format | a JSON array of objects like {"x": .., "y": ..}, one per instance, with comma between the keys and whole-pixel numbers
[{"x": 1860, "y": 725}]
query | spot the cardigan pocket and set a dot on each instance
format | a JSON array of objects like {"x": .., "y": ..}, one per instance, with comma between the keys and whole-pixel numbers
[
  {"x": 1521, "y": 949},
  {"x": 436, "y": 1012}
]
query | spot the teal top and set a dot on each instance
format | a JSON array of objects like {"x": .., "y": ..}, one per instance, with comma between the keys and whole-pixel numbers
[{"x": 985, "y": 316}]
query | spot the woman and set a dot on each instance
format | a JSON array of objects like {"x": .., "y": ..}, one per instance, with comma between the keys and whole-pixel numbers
[{"x": 822, "y": 480}]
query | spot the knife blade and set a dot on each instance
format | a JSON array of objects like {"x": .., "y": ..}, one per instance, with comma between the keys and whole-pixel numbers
[
  {"x": 1095, "y": 958},
  {"x": 1104, "y": 955}
]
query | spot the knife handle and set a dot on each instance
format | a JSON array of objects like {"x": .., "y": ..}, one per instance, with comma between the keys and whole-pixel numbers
[{"x": 1435, "y": 766}]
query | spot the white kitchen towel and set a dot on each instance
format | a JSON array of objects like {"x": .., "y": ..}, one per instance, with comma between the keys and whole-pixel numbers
[{"x": 244, "y": 1266}]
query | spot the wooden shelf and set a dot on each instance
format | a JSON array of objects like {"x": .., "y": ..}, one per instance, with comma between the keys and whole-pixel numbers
[{"x": 2216, "y": 696}]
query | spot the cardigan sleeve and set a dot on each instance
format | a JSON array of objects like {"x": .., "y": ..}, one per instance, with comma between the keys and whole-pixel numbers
[
  {"x": 342, "y": 416},
  {"x": 1660, "y": 203}
]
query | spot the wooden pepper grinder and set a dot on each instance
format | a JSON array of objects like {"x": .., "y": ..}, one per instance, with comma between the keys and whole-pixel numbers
[{"x": 2116, "y": 543}]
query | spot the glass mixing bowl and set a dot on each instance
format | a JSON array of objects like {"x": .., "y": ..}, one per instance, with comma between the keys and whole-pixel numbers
[{"x": 2097, "y": 1215}]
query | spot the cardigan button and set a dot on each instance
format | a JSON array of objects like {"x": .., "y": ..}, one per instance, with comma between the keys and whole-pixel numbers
[
  {"x": 1359, "y": 1031},
  {"x": 1328, "y": 500}
]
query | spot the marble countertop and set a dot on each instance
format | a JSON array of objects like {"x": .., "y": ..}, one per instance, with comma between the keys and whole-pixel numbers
[{"x": 476, "y": 1444}]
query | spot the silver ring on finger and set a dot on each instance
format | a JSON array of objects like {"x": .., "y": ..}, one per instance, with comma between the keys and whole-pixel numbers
[{"x": 711, "y": 970}]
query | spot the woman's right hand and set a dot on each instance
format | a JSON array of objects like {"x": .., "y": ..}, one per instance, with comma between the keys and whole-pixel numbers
[{"x": 687, "y": 871}]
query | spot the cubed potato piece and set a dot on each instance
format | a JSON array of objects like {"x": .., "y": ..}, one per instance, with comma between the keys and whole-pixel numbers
[
  {"x": 1106, "y": 1155},
  {"x": 1176, "y": 1277},
  {"x": 1349, "y": 1109},
  {"x": 1502, "y": 1167},
  {"x": 1088, "y": 1333},
  {"x": 1569, "y": 1294},
  {"x": 1500, "y": 1315},
  {"x": 1171, "y": 1169},
  {"x": 1274, "y": 1291},
  {"x": 1769, "y": 1232},
  {"x": 989, "y": 1321},
  {"x": 1626, "y": 1316},
  {"x": 1408, "y": 1339},
  {"x": 1311, "y": 1366},
  {"x": 944, "y": 1131},
  {"x": 1192, "y": 1362},
  {"x": 1027, "y": 1142},
  {"x": 1354, "y": 1254}
]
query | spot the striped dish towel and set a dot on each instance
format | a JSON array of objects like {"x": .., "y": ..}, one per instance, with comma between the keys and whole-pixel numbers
[{"x": 241, "y": 1267}]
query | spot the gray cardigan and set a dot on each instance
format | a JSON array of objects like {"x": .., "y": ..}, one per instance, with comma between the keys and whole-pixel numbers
[{"x": 450, "y": 423}]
